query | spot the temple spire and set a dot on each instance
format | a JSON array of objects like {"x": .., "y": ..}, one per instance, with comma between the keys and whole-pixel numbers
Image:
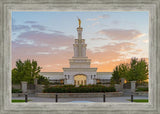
[{"x": 79, "y": 46}]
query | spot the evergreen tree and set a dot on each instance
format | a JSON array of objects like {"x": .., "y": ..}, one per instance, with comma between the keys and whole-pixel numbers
[{"x": 115, "y": 79}]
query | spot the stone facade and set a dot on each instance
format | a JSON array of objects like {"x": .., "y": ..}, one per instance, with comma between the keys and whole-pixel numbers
[{"x": 79, "y": 66}]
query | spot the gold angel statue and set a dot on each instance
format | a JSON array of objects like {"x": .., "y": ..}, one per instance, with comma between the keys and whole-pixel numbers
[{"x": 79, "y": 22}]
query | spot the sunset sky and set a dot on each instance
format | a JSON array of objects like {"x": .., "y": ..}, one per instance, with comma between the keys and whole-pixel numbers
[{"x": 111, "y": 37}]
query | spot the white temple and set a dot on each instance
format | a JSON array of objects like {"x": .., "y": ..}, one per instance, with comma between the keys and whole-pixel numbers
[{"x": 79, "y": 72}]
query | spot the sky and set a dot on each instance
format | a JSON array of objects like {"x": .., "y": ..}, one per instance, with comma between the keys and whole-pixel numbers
[{"x": 48, "y": 37}]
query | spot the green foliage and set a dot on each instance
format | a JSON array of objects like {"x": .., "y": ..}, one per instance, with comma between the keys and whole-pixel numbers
[
  {"x": 119, "y": 72},
  {"x": 123, "y": 70},
  {"x": 42, "y": 80},
  {"x": 115, "y": 76},
  {"x": 135, "y": 71},
  {"x": 16, "y": 90},
  {"x": 80, "y": 89},
  {"x": 19, "y": 101},
  {"x": 139, "y": 100},
  {"x": 25, "y": 71},
  {"x": 142, "y": 89},
  {"x": 138, "y": 70}
]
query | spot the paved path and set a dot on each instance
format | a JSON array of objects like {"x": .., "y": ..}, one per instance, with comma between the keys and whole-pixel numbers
[{"x": 108, "y": 99}]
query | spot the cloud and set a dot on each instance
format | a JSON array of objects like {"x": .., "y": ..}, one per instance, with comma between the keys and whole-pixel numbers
[
  {"x": 110, "y": 52},
  {"x": 98, "y": 39},
  {"x": 115, "y": 22},
  {"x": 146, "y": 41},
  {"x": 57, "y": 58},
  {"x": 54, "y": 49},
  {"x": 58, "y": 32},
  {"x": 16, "y": 28},
  {"x": 30, "y": 22},
  {"x": 38, "y": 27},
  {"x": 116, "y": 47},
  {"x": 112, "y": 55},
  {"x": 104, "y": 16},
  {"x": 92, "y": 19},
  {"x": 44, "y": 39},
  {"x": 96, "y": 23},
  {"x": 121, "y": 34},
  {"x": 108, "y": 67},
  {"x": 60, "y": 48},
  {"x": 43, "y": 53},
  {"x": 45, "y": 48}
]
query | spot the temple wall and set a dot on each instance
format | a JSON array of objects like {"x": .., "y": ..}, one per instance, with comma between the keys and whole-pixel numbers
[
  {"x": 104, "y": 75},
  {"x": 53, "y": 75}
]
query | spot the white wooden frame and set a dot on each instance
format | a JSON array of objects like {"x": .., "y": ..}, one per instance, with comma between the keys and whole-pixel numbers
[{"x": 7, "y": 6}]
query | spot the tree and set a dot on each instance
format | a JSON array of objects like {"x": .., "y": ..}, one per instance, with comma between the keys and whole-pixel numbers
[
  {"x": 115, "y": 76},
  {"x": 25, "y": 71},
  {"x": 42, "y": 80},
  {"x": 135, "y": 71},
  {"x": 142, "y": 68},
  {"x": 138, "y": 70},
  {"x": 123, "y": 70},
  {"x": 120, "y": 71}
]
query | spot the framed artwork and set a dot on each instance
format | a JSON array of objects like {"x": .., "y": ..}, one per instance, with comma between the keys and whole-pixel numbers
[{"x": 79, "y": 44}]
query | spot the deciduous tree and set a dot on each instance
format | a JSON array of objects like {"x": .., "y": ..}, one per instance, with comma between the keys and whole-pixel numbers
[{"x": 25, "y": 71}]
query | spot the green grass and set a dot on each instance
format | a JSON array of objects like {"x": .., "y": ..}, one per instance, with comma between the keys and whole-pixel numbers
[
  {"x": 139, "y": 100},
  {"x": 18, "y": 101}
]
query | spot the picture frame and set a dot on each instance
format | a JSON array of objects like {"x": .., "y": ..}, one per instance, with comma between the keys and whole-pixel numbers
[{"x": 152, "y": 6}]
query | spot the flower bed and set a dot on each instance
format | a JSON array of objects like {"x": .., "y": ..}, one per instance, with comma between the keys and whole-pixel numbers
[{"x": 80, "y": 89}]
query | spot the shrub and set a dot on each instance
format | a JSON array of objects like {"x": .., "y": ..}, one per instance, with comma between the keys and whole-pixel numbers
[
  {"x": 42, "y": 80},
  {"x": 80, "y": 89},
  {"x": 16, "y": 90},
  {"x": 142, "y": 89}
]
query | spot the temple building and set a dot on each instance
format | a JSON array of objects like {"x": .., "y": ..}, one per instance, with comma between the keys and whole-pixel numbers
[{"x": 79, "y": 72}]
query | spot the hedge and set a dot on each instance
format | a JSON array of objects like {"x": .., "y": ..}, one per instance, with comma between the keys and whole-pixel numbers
[
  {"x": 80, "y": 89},
  {"x": 16, "y": 90},
  {"x": 142, "y": 89}
]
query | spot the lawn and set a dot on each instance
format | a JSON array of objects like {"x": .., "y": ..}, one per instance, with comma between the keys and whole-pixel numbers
[
  {"x": 139, "y": 100},
  {"x": 18, "y": 101}
]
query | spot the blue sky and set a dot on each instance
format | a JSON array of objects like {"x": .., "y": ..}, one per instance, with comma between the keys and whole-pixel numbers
[{"x": 103, "y": 32}]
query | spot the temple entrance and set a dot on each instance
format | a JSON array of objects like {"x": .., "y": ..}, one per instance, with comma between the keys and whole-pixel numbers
[{"x": 80, "y": 79}]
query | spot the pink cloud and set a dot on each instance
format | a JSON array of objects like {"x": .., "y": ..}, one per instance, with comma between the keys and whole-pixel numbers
[
  {"x": 50, "y": 39},
  {"x": 110, "y": 52},
  {"x": 54, "y": 60},
  {"x": 53, "y": 55},
  {"x": 121, "y": 34}
]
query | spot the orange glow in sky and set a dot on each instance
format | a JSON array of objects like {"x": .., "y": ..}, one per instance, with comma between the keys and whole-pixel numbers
[{"x": 48, "y": 37}]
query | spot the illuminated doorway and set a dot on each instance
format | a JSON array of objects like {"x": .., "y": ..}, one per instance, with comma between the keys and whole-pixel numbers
[{"x": 80, "y": 80}]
